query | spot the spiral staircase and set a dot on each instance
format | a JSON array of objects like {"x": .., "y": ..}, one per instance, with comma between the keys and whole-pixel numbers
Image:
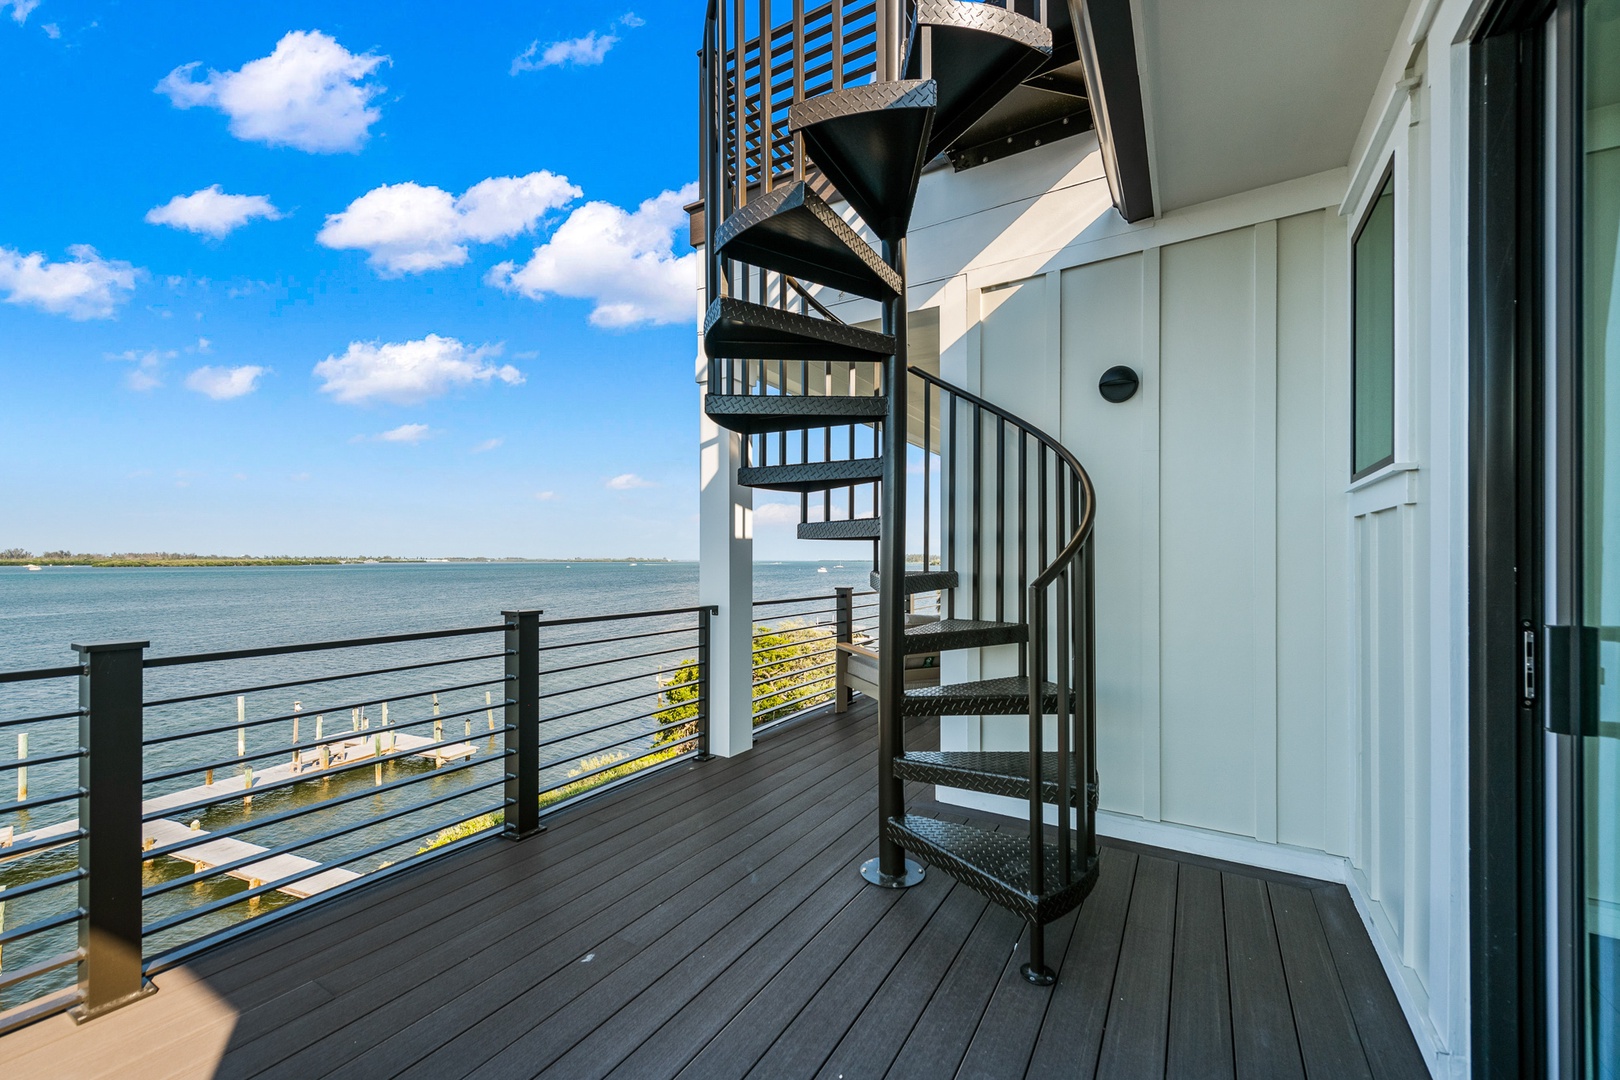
[{"x": 830, "y": 410}]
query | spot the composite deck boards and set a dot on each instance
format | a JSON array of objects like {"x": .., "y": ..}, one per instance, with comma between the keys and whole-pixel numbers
[
  {"x": 1135, "y": 1037},
  {"x": 1200, "y": 1012},
  {"x": 1265, "y": 1043},
  {"x": 1327, "y": 1032},
  {"x": 1070, "y": 1045},
  {"x": 708, "y": 921}
]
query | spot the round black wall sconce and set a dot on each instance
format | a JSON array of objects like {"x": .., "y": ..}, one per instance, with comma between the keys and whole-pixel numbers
[{"x": 1118, "y": 384}]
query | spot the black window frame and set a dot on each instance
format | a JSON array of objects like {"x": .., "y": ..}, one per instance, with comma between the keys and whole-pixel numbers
[{"x": 1386, "y": 178}]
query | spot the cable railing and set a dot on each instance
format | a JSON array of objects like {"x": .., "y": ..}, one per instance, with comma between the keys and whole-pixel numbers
[
  {"x": 222, "y": 789},
  {"x": 40, "y": 953}
]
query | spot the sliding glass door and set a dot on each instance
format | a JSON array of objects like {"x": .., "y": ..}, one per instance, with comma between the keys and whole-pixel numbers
[{"x": 1599, "y": 876}]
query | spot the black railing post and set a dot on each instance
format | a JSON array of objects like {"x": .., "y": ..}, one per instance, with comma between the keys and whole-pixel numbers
[
  {"x": 705, "y": 682},
  {"x": 522, "y": 723},
  {"x": 844, "y": 630},
  {"x": 110, "y": 731}
]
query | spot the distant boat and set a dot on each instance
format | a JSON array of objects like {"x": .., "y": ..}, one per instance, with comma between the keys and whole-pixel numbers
[
  {"x": 840, "y": 566},
  {"x": 821, "y": 570},
  {"x": 31, "y": 566},
  {"x": 635, "y": 564}
]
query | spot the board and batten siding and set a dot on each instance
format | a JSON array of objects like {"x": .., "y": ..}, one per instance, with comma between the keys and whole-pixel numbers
[{"x": 1256, "y": 625}]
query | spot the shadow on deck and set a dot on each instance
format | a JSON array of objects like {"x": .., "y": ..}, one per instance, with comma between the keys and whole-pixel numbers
[{"x": 709, "y": 922}]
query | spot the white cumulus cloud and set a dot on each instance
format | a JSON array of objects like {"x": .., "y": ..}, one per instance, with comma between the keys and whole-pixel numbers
[
  {"x": 224, "y": 383},
  {"x": 406, "y": 433},
  {"x": 85, "y": 287},
  {"x": 776, "y": 514},
  {"x": 408, "y": 228},
  {"x": 623, "y": 261},
  {"x": 409, "y": 372},
  {"x": 144, "y": 375},
  {"x": 212, "y": 212},
  {"x": 587, "y": 51},
  {"x": 487, "y": 445},
  {"x": 310, "y": 93},
  {"x": 629, "y": 482},
  {"x": 20, "y": 9}
]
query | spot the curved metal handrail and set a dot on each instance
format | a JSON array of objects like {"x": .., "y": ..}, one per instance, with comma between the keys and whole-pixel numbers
[
  {"x": 1082, "y": 533},
  {"x": 1069, "y": 576}
]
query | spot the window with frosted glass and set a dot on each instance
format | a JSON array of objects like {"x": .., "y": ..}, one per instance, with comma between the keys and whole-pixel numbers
[{"x": 1373, "y": 440}]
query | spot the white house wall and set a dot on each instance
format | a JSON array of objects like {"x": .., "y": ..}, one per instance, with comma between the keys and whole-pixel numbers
[{"x": 1281, "y": 654}]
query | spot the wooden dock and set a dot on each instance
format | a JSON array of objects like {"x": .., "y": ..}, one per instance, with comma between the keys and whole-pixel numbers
[{"x": 161, "y": 832}]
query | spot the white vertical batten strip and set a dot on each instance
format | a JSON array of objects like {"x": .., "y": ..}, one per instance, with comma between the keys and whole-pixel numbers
[
  {"x": 1265, "y": 531},
  {"x": 1153, "y": 675}
]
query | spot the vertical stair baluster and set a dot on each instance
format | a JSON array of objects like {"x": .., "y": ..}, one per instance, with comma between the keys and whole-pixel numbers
[
  {"x": 977, "y": 564},
  {"x": 767, "y": 79},
  {"x": 1001, "y": 519},
  {"x": 1061, "y": 678},
  {"x": 1023, "y": 540},
  {"x": 948, "y": 403}
]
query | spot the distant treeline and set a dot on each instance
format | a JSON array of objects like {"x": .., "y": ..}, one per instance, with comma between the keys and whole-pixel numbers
[{"x": 23, "y": 557}]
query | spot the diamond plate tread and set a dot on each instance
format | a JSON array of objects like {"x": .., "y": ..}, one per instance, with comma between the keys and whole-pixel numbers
[
  {"x": 920, "y": 581},
  {"x": 871, "y": 143},
  {"x": 943, "y": 634},
  {"x": 985, "y": 18},
  {"x": 738, "y": 330},
  {"x": 996, "y": 865},
  {"x": 792, "y": 230},
  {"x": 868, "y": 97},
  {"x": 993, "y": 772},
  {"x": 841, "y": 529},
  {"x": 752, "y": 414},
  {"x": 812, "y": 476},
  {"x": 984, "y": 697}
]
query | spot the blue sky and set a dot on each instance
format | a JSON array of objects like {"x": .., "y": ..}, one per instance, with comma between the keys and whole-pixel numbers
[{"x": 349, "y": 278}]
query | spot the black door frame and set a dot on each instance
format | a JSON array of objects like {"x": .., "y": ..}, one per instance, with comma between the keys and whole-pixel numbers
[
  {"x": 1510, "y": 182},
  {"x": 1505, "y": 791}
]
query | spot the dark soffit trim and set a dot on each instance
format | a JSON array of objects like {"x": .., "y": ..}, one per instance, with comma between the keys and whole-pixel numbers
[{"x": 1107, "y": 42}]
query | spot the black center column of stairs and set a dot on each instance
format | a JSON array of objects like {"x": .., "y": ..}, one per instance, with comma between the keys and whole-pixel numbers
[{"x": 891, "y": 869}]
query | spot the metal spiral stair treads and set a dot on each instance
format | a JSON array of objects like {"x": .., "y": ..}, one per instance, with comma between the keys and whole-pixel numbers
[
  {"x": 945, "y": 634},
  {"x": 984, "y": 697},
  {"x": 871, "y": 142},
  {"x": 996, "y": 865},
  {"x": 841, "y": 529},
  {"x": 738, "y": 330},
  {"x": 813, "y": 475},
  {"x": 994, "y": 772},
  {"x": 793, "y": 231},
  {"x": 920, "y": 581},
  {"x": 754, "y": 414},
  {"x": 977, "y": 54}
]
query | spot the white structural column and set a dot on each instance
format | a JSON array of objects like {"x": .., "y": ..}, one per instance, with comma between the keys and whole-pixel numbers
[{"x": 726, "y": 580}]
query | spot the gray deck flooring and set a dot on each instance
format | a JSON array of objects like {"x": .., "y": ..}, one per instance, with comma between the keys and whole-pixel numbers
[{"x": 708, "y": 921}]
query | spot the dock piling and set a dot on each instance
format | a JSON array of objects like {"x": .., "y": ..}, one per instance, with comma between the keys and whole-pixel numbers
[
  {"x": 22, "y": 771},
  {"x": 241, "y": 726},
  {"x": 438, "y": 731},
  {"x": 298, "y": 755}
]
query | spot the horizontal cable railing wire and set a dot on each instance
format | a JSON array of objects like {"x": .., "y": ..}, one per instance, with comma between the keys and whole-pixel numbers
[
  {"x": 271, "y": 776},
  {"x": 794, "y": 652},
  {"x": 40, "y": 878}
]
